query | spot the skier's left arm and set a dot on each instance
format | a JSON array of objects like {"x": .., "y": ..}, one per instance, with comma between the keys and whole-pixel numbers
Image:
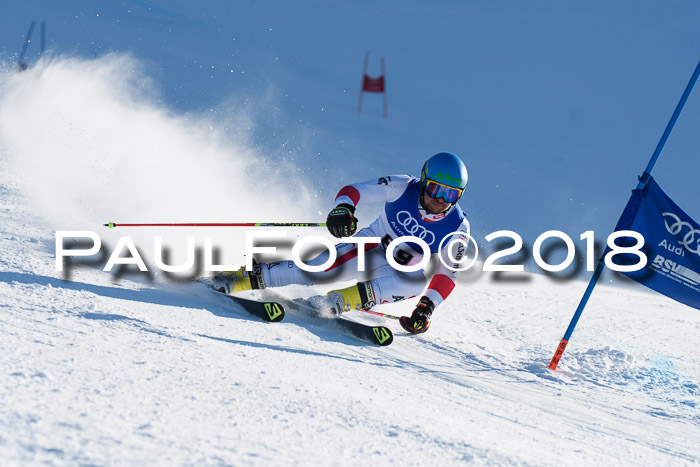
[
  {"x": 452, "y": 254},
  {"x": 442, "y": 284}
]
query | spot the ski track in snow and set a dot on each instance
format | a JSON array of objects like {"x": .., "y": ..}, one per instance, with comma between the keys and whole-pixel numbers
[{"x": 100, "y": 370}]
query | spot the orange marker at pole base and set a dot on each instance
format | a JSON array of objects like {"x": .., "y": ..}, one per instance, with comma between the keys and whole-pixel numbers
[{"x": 557, "y": 355}]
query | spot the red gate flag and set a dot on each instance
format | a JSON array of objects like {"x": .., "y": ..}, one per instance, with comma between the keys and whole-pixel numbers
[
  {"x": 370, "y": 84},
  {"x": 373, "y": 84}
]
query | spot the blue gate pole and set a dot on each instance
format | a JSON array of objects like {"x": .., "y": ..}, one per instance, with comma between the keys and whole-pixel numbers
[{"x": 643, "y": 180}]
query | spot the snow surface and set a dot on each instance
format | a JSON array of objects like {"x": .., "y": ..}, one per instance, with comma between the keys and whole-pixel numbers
[{"x": 128, "y": 368}]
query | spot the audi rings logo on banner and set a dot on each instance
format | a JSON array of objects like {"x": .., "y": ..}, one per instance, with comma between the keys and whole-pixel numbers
[
  {"x": 413, "y": 228},
  {"x": 690, "y": 240}
]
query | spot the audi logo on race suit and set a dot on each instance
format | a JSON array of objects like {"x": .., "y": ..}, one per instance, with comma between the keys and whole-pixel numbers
[
  {"x": 691, "y": 239},
  {"x": 413, "y": 228}
]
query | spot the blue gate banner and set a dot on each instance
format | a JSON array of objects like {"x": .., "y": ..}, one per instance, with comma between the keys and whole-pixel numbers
[{"x": 672, "y": 244}]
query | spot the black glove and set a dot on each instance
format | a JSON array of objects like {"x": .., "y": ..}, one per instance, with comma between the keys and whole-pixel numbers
[
  {"x": 341, "y": 221},
  {"x": 420, "y": 318}
]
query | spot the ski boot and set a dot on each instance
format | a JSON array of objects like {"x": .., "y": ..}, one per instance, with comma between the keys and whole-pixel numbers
[
  {"x": 233, "y": 282},
  {"x": 356, "y": 297}
]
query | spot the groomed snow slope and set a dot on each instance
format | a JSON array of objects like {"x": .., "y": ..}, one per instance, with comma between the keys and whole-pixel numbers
[{"x": 98, "y": 370}]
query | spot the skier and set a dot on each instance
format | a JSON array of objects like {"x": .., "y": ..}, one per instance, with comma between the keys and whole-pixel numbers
[{"x": 425, "y": 208}]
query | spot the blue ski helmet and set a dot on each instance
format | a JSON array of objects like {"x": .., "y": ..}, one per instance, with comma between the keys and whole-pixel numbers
[{"x": 444, "y": 175}]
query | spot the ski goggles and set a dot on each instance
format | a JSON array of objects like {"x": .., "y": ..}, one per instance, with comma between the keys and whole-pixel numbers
[{"x": 438, "y": 190}]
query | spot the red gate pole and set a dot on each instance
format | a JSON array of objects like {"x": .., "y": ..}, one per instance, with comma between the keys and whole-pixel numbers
[
  {"x": 386, "y": 111},
  {"x": 362, "y": 87}
]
